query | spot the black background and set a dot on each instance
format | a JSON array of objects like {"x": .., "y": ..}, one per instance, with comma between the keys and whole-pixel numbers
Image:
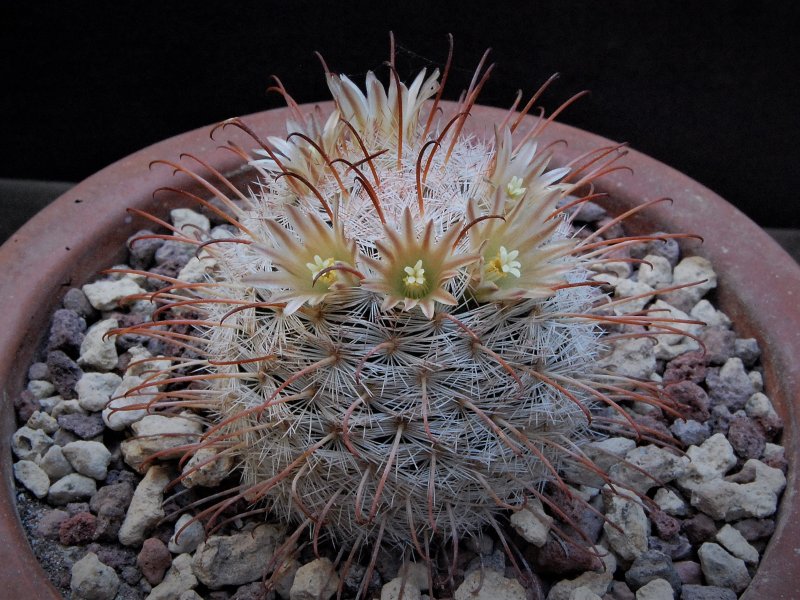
[{"x": 710, "y": 87}]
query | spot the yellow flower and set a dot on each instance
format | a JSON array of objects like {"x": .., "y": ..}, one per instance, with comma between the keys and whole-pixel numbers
[
  {"x": 414, "y": 270},
  {"x": 300, "y": 273}
]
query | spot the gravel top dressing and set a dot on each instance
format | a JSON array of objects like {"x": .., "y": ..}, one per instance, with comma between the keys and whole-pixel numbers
[{"x": 105, "y": 521}]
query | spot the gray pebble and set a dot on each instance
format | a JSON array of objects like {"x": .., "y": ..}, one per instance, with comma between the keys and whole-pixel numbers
[
  {"x": 649, "y": 566},
  {"x": 70, "y": 488},
  {"x": 76, "y": 300}
]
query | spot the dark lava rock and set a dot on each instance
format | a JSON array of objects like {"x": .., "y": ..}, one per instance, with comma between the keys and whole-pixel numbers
[
  {"x": 84, "y": 426},
  {"x": 565, "y": 558},
  {"x": 64, "y": 373},
  {"x": 77, "y": 530},
  {"x": 689, "y": 366},
  {"x": 666, "y": 526},
  {"x": 112, "y": 501},
  {"x": 691, "y": 432},
  {"x": 732, "y": 391},
  {"x": 49, "y": 524},
  {"x": 755, "y": 529},
  {"x": 252, "y": 591},
  {"x": 700, "y": 528},
  {"x": 689, "y": 571},
  {"x": 67, "y": 331},
  {"x": 25, "y": 404},
  {"x": 652, "y": 565},
  {"x": 154, "y": 559},
  {"x": 142, "y": 252},
  {"x": 115, "y": 556},
  {"x": 694, "y": 399},
  {"x": 677, "y": 548},
  {"x": 746, "y": 436},
  {"x": 719, "y": 342}
]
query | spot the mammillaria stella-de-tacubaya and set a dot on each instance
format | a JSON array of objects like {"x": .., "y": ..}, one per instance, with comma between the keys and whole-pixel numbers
[{"x": 398, "y": 341}]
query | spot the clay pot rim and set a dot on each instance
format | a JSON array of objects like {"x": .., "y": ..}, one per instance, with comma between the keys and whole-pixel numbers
[{"x": 86, "y": 226}]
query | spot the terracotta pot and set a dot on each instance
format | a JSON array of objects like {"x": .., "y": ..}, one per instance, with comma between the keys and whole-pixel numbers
[{"x": 85, "y": 230}]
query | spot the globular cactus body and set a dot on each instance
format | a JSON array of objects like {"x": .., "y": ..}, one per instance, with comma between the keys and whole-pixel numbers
[{"x": 400, "y": 340}]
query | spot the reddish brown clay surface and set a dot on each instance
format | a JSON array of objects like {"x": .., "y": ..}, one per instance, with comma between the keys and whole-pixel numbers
[{"x": 84, "y": 231}]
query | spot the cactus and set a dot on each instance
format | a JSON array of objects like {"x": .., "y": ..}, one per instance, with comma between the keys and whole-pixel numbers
[{"x": 398, "y": 340}]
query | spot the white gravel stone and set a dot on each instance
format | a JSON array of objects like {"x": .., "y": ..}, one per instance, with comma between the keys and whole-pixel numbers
[
  {"x": 756, "y": 496},
  {"x": 709, "y": 461},
  {"x": 55, "y": 464},
  {"x": 723, "y": 569},
  {"x": 631, "y": 357},
  {"x": 532, "y": 523},
  {"x": 237, "y": 559},
  {"x": 196, "y": 269},
  {"x": 627, "y": 288},
  {"x": 98, "y": 350},
  {"x": 157, "y": 433},
  {"x": 662, "y": 466},
  {"x": 29, "y": 474},
  {"x": 400, "y": 589},
  {"x": 583, "y": 593},
  {"x": 631, "y": 519},
  {"x": 41, "y": 388},
  {"x": 667, "y": 311},
  {"x": 144, "y": 364},
  {"x": 48, "y": 404},
  {"x": 117, "y": 419},
  {"x": 191, "y": 220},
  {"x": 657, "y": 589},
  {"x": 596, "y": 581},
  {"x": 30, "y": 444},
  {"x": 187, "y": 536},
  {"x": 316, "y": 580},
  {"x": 67, "y": 407},
  {"x": 774, "y": 452},
  {"x": 41, "y": 420},
  {"x": 690, "y": 270},
  {"x": 92, "y": 580},
  {"x": 199, "y": 471},
  {"x": 145, "y": 510},
  {"x": 757, "y": 379},
  {"x": 657, "y": 276},
  {"x": 88, "y": 458},
  {"x": 95, "y": 389},
  {"x": 759, "y": 406},
  {"x": 734, "y": 542},
  {"x": 71, "y": 488},
  {"x": 671, "y": 503},
  {"x": 705, "y": 311},
  {"x": 108, "y": 293},
  {"x": 489, "y": 585},
  {"x": 604, "y": 454},
  {"x": 179, "y": 579}
]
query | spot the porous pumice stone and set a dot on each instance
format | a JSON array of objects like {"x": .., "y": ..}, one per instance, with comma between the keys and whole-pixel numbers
[{"x": 410, "y": 363}]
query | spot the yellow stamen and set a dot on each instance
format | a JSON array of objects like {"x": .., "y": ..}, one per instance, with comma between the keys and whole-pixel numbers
[
  {"x": 504, "y": 263},
  {"x": 319, "y": 265},
  {"x": 415, "y": 275},
  {"x": 514, "y": 188}
]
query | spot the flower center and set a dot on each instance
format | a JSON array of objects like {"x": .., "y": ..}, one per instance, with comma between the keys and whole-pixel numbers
[
  {"x": 504, "y": 263},
  {"x": 515, "y": 190},
  {"x": 415, "y": 276},
  {"x": 320, "y": 265}
]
